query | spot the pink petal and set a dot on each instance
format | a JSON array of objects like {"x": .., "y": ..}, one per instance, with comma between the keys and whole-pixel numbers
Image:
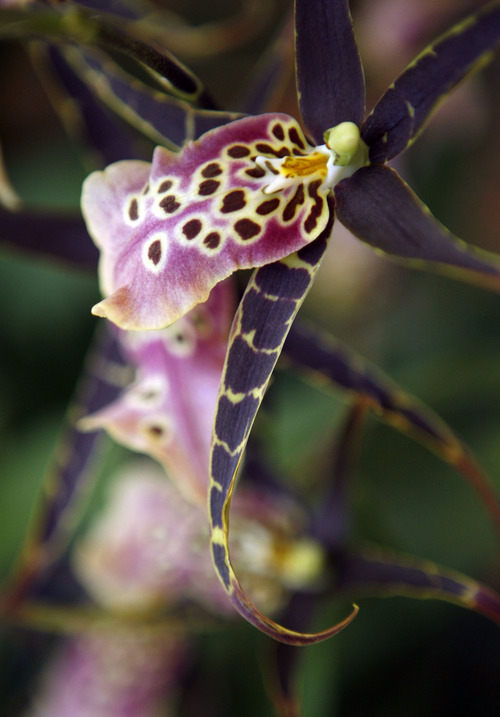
[{"x": 168, "y": 240}]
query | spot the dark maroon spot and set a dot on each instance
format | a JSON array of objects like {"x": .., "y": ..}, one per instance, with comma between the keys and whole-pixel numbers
[
  {"x": 146, "y": 189},
  {"x": 247, "y": 228},
  {"x": 211, "y": 170},
  {"x": 268, "y": 207},
  {"x": 267, "y": 149},
  {"x": 237, "y": 151},
  {"x": 169, "y": 204},
  {"x": 295, "y": 138},
  {"x": 191, "y": 228},
  {"x": 212, "y": 240},
  {"x": 278, "y": 132},
  {"x": 271, "y": 168},
  {"x": 149, "y": 395},
  {"x": 256, "y": 172},
  {"x": 156, "y": 431},
  {"x": 209, "y": 186},
  {"x": 233, "y": 201},
  {"x": 154, "y": 251},
  {"x": 297, "y": 152},
  {"x": 293, "y": 204},
  {"x": 133, "y": 210},
  {"x": 312, "y": 218},
  {"x": 165, "y": 186}
]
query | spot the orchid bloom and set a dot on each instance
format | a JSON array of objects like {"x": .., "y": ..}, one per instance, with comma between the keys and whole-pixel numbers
[
  {"x": 168, "y": 411},
  {"x": 257, "y": 192}
]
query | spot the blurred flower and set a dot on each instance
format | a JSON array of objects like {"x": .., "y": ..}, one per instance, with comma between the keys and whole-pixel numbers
[
  {"x": 168, "y": 411},
  {"x": 149, "y": 549},
  {"x": 115, "y": 672}
]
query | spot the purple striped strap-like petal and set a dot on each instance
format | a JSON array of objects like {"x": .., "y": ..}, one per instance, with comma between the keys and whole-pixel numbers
[
  {"x": 381, "y": 210},
  {"x": 70, "y": 475},
  {"x": 89, "y": 123},
  {"x": 49, "y": 234},
  {"x": 329, "y": 72},
  {"x": 375, "y": 571},
  {"x": 401, "y": 113},
  {"x": 167, "y": 69},
  {"x": 170, "y": 232},
  {"x": 268, "y": 307},
  {"x": 318, "y": 356},
  {"x": 164, "y": 119}
]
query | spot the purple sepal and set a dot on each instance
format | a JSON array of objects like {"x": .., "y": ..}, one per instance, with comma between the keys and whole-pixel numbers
[
  {"x": 330, "y": 77},
  {"x": 402, "y": 111},
  {"x": 381, "y": 210}
]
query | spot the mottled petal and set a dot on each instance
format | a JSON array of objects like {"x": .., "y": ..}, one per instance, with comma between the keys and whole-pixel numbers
[
  {"x": 327, "y": 362},
  {"x": 168, "y": 238},
  {"x": 329, "y": 73},
  {"x": 403, "y": 110},
  {"x": 169, "y": 409},
  {"x": 380, "y": 209}
]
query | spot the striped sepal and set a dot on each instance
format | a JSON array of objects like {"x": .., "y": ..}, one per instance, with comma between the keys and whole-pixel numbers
[
  {"x": 71, "y": 474},
  {"x": 269, "y": 305},
  {"x": 328, "y": 364},
  {"x": 375, "y": 571},
  {"x": 164, "y": 119},
  {"x": 401, "y": 113}
]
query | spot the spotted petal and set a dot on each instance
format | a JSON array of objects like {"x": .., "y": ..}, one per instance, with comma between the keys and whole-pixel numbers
[{"x": 170, "y": 233}]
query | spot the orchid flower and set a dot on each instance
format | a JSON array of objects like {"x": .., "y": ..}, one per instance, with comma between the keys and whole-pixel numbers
[
  {"x": 257, "y": 193},
  {"x": 168, "y": 411}
]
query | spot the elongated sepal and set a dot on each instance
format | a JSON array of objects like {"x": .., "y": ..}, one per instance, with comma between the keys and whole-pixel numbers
[
  {"x": 377, "y": 571},
  {"x": 168, "y": 234},
  {"x": 269, "y": 305},
  {"x": 52, "y": 235},
  {"x": 329, "y": 72},
  {"x": 330, "y": 365},
  {"x": 403, "y": 110},
  {"x": 164, "y": 119},
  {"x": 380, "y": 209},
  {"x": 100, "y": 133},
  {"x": 278, "y": 632}
]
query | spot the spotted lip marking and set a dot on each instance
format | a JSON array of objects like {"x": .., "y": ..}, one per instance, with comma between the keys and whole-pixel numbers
[{"x": 208, "y": 207}]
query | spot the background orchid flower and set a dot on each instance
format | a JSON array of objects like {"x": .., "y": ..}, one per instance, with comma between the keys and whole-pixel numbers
[{"x": 168, "y": 411}]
